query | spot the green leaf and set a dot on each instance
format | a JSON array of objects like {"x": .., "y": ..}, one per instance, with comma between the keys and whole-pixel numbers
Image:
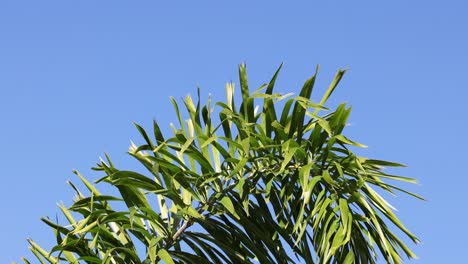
[
  {"x": 299, "y": 111},
  {"x": 145, "y": 136},
  {"x": 349, "y": 258},
  {"x": 247, "y": 102},
  {"x": 345, "y": 140},
  {"x": 268, "y": 106},
  {"x": 332, "y": 86},
  {"x": 164, "y": 255},
  {"x": 192, "y": 212},
  {"x": 227, "y": 203},
  {"x": 328, "y": 178}
]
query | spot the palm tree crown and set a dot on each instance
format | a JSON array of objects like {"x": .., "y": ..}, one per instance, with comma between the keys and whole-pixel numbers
[{"x": 277, "y": 183}]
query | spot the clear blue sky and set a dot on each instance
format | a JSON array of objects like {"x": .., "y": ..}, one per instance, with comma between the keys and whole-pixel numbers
[{"x": 75, "y": 74}]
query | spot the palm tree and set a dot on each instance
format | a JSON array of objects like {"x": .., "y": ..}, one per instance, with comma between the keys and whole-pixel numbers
[{"x": 277, "y": 183}]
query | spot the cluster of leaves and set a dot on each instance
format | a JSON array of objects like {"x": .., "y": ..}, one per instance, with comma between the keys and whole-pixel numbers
[{"x": 275, "y": 185}]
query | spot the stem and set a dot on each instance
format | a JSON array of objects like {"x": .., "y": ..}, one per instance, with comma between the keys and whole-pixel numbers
[
  {"x": 190, "y": 222},
  {"x": 181, "y": 230}
]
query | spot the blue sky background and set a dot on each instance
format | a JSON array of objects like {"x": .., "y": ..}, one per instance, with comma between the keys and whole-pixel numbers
[{"x": 74, "y": 75}]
